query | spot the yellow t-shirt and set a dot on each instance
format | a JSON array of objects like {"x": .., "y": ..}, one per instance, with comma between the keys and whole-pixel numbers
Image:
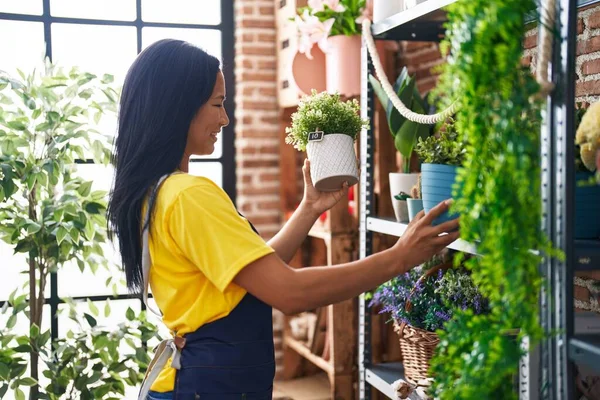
[{"x": 198, "y": 244}]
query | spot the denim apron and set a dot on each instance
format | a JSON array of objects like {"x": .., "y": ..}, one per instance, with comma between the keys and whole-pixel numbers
[{"x": 232, "y": 358}]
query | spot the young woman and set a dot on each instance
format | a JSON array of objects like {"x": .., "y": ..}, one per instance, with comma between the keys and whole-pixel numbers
[{"x": 212, "y": 276}]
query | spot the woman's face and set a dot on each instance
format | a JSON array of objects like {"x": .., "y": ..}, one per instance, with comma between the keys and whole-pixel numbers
[{"x": 207, "y": 123}]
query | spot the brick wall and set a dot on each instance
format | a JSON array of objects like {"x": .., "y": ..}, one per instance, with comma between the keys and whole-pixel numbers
[
  {"x": 421, "y": 57},
  {"x": 257, "y": 127}
]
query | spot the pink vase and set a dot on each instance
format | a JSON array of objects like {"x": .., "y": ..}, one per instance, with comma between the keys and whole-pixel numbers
[
  {"x": 309, "y": 74},
  {"x": 343, "y": 65}
]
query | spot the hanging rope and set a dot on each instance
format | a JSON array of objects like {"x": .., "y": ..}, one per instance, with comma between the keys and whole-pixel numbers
[
  {"x": 548, "y": 19},
  {"x": 389, "y": 90},
  {"x": 547, "y": 23}
]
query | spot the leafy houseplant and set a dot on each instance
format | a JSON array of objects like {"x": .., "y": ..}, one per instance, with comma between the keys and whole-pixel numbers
[
  {"x": 327, "y": 127},
  {"x": 423, "y": 300},
  {"x": 405, "y": 132},
  {"x": 442, "y": 155},
  {"x": 499, "y": 203},
  {"x": 48, "y": 212}
]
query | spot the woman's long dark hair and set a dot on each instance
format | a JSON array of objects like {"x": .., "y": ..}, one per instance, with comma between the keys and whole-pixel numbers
[{"x": 164, "y": 88}]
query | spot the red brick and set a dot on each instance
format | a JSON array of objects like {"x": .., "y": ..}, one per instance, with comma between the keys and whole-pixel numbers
[
  {"x": 246, "y": 178},
  {"x": 260, "y": 164},
  {"x": 594, "y": 20},
  {"x": 253, "y": 191},
  {"x": 266, "y": 10},
  {"x": 267, "y": 64},
  {"x": 247, "y": 10},
  {"x": 591, "y": 67},
  {"x": 266, "y": 37},
  {"x": 249, "y": 150},
  {"x": 269, "y": 120},
  {"x": 258, "y": 76},
  {"x": 246, "y": 207},
  {"x": 247, "y": 119},
  {"x": 579, "y": 26},
  {"x": 589, "y": 88},
  {"x": 427, "y": 85},
  {"x": 429, "y": 56},
  {"x": 268, "y": 178},
  {"x": 530, "y": 41},
  {"x": 268, "y": 149},
  {"x": 257, "y": 51},
  {"x": 248, "y": 91},
  {"x": 526, "y": 61},
  {"x": 258, "y": 105},
  {"x": 266, "y": 91},
  {"x": 247, "y": 63},
  {"x": 268, "y": 205},
  {"x": 588, "y": 46},
  {"x": 414, "y": 46},
  {"x": 248, "y": 37},
  {"x": 255, "y": 23}
]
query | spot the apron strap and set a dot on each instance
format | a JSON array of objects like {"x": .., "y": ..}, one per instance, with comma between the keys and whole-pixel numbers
[{"x": 168, "y": 348}]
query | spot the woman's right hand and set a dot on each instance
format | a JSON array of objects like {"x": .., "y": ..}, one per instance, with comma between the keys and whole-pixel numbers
[{"x": 421, "y": 241}]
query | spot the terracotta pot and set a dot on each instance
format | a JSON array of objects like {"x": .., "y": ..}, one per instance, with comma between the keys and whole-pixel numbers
[
  {"x": 343, "y": 65},
  {"x": 309, "y": 74}
]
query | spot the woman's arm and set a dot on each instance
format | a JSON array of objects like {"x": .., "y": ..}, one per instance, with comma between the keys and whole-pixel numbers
[
  {"x": 313, "y": 204},
  {"x": 296, "y": 290},
  {"x": 287, "y": 241}
]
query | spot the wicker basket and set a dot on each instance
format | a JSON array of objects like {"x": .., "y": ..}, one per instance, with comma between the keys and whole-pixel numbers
[{"x": 418, "y": 345}]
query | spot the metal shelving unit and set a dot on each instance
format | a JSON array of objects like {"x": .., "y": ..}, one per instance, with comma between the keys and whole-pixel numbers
[{"x": 547, "y": 372}]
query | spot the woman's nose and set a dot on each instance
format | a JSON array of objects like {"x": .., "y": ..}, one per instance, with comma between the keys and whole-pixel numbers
[{"x": 224, "y": 119}]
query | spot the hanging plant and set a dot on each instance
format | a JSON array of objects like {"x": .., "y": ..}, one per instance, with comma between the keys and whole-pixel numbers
[{"x": 499, "y": 202}]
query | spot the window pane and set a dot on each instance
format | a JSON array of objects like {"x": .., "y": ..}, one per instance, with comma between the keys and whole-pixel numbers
[
  {"x": 182, "y": 11},
  {"x": 22, "y": 325},
  {"x": 123, "y": 10},
  {"x": 207, "y": 39},
  {"x": 25, "y": 53},
  {"x": 21, "y": 7},
  {"x": 96, "y": 49},
  {"x": 210, "y": 170},
  {"x": 115, "y": 317},
  {"x": 71, "y": 281},
  {"x": 14, "y": 269}
]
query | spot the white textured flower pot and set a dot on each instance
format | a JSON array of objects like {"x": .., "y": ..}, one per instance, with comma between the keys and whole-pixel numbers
[
  {"x": 332, "y": 162},
  {"x": 383, "y": 9},
  {"x": 401, "y": 183}
]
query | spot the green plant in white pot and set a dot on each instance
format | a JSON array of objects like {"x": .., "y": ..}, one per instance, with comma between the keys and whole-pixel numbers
[
  {"x": 406, "y": 133},
  {"x": 326, "y": 128}
]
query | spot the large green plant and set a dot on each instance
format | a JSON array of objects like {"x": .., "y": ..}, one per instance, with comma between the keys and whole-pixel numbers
[
  {"x": 405, "y": 132},
  {"x": 48, "y": 212},
  {"x": 500, "y": 203}
]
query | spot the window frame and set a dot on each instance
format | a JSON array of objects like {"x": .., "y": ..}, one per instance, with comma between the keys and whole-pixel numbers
[{"x": 227, "y": 158}]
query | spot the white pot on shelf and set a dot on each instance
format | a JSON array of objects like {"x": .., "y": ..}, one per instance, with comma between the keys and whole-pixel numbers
[
  {"x": 400, "y": 182},
  {"x": 332, "y": 162},
  {"x": 412, "y": 3},
  {"x": 383, "y": 9}
]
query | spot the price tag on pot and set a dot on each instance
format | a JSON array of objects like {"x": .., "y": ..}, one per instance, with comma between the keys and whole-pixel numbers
[{"x": 315, "y": 136}]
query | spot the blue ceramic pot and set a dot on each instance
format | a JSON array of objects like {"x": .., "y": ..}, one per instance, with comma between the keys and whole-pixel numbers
[
  {"x": 414, "y": 206},
  {"x": 436, "y": 186},
  {"x": 587, "y": 208}
]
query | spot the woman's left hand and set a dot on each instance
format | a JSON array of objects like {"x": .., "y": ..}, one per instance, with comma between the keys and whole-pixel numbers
[{"x": 319, "y": 202}]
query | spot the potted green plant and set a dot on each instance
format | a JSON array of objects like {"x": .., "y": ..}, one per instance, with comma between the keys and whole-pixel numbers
[
  {"x": 587, "y": 193},
  {"x": 420, "y": 302},
  {"x": 405, "y": 132},
  {"x": 326, "y": 128},
  {"x": 415, "y": 203},
  {"x": 55, "y": 217},
  {"x": 442, "y": 155},
  {"x": 335, "y": 26}
]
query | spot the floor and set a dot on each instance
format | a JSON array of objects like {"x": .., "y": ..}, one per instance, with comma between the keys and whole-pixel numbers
[{"x": 307, "y": 388}]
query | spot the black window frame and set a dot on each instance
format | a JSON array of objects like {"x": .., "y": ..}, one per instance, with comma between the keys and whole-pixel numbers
[{"x": 227, "y": 158}]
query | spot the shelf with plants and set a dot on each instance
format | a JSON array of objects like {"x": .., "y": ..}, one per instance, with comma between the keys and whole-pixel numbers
[{"x": 496, "y": 230}]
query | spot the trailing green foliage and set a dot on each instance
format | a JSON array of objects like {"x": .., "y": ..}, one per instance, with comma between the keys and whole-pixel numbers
[
  {"x": 324, "y": 112},
  {"x": 405, "y": 132},
  {"x": 446, "y": 148},
  {"x": 499, "y": 203}
]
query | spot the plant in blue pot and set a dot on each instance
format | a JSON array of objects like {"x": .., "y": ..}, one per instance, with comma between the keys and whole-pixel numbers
[
  {"x": 587, "y": 191},
  {"x": 441, "y": 155},
  {"x": 406, "y": 133}
]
